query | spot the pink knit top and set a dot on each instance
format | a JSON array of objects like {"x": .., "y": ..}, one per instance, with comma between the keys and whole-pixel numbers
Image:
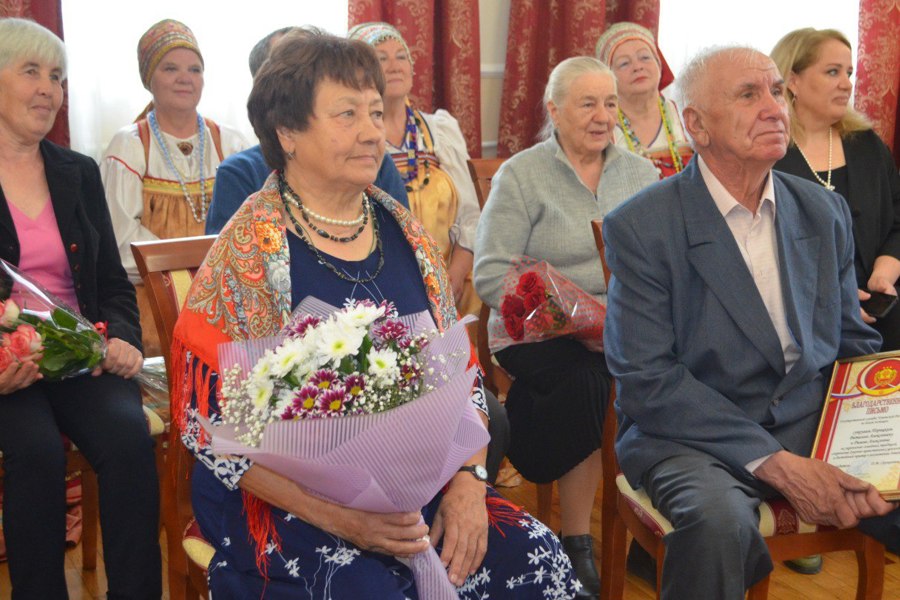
[{"x": 42, "y": 255}]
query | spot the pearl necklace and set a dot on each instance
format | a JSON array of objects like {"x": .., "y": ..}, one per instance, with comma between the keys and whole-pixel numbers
[
  {"x": 291, "y": 197},
  {"x": 827, "y": 183},
  {"x": 161, "y": 142},
  {"x": 308, "y": 212}
]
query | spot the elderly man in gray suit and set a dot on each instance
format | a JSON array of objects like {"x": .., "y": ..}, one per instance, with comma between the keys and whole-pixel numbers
[{"x": 732, "y": 294}]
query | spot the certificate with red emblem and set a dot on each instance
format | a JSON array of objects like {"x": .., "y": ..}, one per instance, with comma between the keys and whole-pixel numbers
[{"x": 860, "y": 427}]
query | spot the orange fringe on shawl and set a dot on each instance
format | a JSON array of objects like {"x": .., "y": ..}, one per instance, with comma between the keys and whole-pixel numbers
[
  {"x": 192, "y": 377},
  {"x": 500, "y": 510}
]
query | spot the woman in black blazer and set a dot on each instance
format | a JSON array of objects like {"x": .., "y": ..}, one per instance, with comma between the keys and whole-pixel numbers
[
  {"x": 835, "y": 146},
  {"x": 55, "y": 225}
]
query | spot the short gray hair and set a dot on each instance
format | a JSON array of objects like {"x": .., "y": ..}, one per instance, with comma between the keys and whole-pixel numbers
[
  {"x": 561, "y": 78},
  {"x": 23, "y": 39},
  {"x": 689, "y": 85}
]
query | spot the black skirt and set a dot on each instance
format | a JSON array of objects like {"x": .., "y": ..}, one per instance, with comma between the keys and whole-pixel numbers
[{"x": 556, "y": 405}]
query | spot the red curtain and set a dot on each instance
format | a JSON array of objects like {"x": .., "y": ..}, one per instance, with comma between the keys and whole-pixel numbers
[
  {"x": 49, "y": 14},
  {"x": 443, "y": 38},
  {"x": 878, "y": 69},
  {"x": 541, "y": 34}
]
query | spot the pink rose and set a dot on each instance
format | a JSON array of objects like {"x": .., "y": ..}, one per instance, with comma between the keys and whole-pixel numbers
[
  {"x": 9, "y": 313},
  {"x": 7, "y": 359},
  {"x": 23, "y": 342}
]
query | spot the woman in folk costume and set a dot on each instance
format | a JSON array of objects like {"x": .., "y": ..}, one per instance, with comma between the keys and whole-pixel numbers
[
  {"x": 647, "y": 123},
  {"x": 319, "y": 228},
  {"x": 430, "y": 152},
  {"x": 159, "y": 171}
]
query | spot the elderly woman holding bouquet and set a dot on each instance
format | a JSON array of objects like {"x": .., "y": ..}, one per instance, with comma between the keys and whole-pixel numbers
[
  {"x": 55, "y": 227},
  {"x": 541, "y": 205},
  {"x": 318, "y": 228}
]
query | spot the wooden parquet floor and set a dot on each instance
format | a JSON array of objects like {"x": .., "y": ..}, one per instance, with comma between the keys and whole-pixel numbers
[{"x": 837, "y": 581}]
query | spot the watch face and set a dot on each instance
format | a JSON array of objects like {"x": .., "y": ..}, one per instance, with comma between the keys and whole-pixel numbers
[{"x": 480, "y": 472}]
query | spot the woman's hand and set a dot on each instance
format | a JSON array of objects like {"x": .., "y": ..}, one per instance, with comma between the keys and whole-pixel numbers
[
  {"x": 459, "y": 268},
  {"x": 121, "y": 359},
  {"x": 462, "y": 521},
  {"x": 395, "y": 534},
  {"x": 19, "y": 375}
]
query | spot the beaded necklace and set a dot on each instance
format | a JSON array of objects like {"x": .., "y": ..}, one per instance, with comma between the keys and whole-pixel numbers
[
  {"x": 634, "y": 143},
  {"x": 320, "y": 258},
  {"x": 161, "y": 142},
  {"x": 411, "y": 143},
  {"x": 292, "y": 198}
]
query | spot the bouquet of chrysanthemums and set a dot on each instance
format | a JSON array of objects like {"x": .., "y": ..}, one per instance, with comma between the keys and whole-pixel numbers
[
  {"x": 539, "y": 303},
  {"x": 358, "y": 405},
  {"x": 34, "y": 322}
]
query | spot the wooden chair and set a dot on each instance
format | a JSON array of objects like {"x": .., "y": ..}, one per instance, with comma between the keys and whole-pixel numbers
[
  {"x": 167, "y": 268},
  {"x": 496, "y": 379},
  {"x": 625, "y": 509}
]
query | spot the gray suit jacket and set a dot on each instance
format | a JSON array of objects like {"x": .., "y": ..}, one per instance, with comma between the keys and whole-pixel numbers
[{"x": 688, "y": 339}]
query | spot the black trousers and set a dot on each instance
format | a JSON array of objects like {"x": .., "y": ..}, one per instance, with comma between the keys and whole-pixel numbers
[{"x": 103, "y": 417}]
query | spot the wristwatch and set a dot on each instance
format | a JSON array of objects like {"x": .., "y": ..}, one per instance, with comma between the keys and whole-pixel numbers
[{"x": 477, "y": 471}]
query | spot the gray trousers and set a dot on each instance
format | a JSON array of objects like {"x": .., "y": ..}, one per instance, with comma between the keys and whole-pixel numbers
[{"x": 716, "y": 551}]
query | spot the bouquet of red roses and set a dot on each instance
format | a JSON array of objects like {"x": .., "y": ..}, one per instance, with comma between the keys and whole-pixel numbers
[{"x": 539, "y": 303}]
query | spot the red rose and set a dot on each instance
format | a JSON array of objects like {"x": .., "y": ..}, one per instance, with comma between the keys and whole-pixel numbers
[
  {"x": 514, "y": 326},
  {"x": 530, "y": 283},
  {"x": 7, "y": 359},
  {"x": 533, "y": 301},
  {"x": 512, "y": 306}
]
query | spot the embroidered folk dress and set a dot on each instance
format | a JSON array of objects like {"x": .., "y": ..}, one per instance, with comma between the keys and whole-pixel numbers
[
  {"x": 145, "y": 198},
  {"x": 446, "y": 204},
  {"x": 659, "y": 151},
  {"x": 270, "y": 271}
]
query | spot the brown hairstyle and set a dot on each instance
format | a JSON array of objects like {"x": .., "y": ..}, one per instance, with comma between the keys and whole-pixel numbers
[
  {"x": 794, "y": 53},
  {"x": 284, "y": 90}
]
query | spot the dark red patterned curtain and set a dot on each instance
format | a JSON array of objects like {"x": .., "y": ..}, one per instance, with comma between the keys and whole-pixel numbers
[
  {"x": 878, "y": 69},
  {"x": 541, "y": 34},
  {"x": 49, "y": 14},
  {"x": 443, "y": 38}
]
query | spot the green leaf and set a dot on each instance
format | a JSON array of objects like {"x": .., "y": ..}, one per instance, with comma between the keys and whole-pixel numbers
[{"x": 64, "y": 319}]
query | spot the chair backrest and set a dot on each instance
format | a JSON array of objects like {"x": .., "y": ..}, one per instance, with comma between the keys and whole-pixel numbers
[
  {"x": 167, "y": 268},
  {"x": 482, "y": 171}
]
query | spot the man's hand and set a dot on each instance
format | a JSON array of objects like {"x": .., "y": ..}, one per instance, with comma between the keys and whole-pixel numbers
[
  {"x": 462, "y": 521},
  {"x": 820, "y": 493},
  {"x": 121, "y": 359}
]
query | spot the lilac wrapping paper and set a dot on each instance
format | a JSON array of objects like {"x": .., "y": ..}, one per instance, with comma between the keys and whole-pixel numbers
[{"x": 394, "y": 461}]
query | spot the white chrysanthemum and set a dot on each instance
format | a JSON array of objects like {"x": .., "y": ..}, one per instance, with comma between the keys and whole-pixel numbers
[
  {"x": 263, "y": 367},
  {"x": 289, "y": 356},
  {"x": 283, "y": 398},
  {"x": 337, "y": 340},
  {"x": 360, "y": 315},
  {"x": 383, "y": 364},
  {"x": 260, "y": 391}
]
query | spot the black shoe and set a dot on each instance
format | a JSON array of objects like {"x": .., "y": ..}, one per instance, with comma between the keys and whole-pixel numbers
[
  {"x": 640, "y": 564},
  {"x": 580, "y": 550}
]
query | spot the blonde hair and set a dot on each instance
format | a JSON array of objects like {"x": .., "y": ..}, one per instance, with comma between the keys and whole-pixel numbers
[
  {"x": 794, "y": 53},
  {"x": 25, "y": 39},
  {"x": 561, "y": 78}
]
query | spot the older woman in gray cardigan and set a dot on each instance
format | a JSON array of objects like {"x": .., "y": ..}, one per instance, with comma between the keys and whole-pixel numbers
[{"x": 541, "y": 205}]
